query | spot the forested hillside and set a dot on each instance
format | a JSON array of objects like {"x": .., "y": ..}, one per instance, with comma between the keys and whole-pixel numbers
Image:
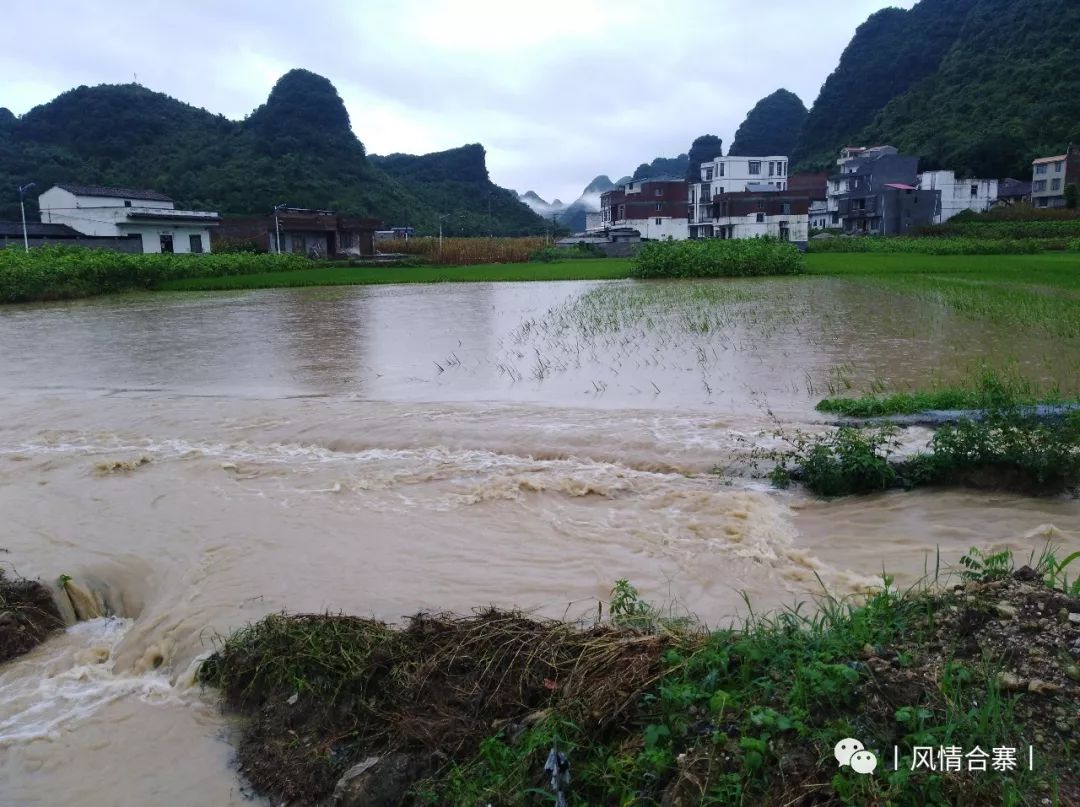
[
  {"x": 981, "y": 86},
  {"x": 773, "y": 126},
  {"x": 297, "y": 148}
]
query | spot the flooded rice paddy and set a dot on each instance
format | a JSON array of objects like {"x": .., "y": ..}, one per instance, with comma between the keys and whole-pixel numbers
[{"x": 199, "y": 460}]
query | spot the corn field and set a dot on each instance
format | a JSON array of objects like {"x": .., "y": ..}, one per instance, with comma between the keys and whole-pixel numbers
[{"x": 465, "y": 251}]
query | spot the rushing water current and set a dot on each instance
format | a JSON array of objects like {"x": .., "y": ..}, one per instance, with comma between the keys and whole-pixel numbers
[{"x": 196, "y": 461}]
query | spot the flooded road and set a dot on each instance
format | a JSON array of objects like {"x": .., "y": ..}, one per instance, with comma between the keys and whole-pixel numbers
[{"x": 201, "y": 460}]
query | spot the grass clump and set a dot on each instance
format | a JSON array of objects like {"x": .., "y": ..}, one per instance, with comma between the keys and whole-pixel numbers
[
  {"x": 648, "y": 713},
  {"x": 348, "y": 688},
  {"x": 991, "y": 389},
  {"x": 1008, "y": 449},
  {"x": 717, "y": 258},
  {"x": 28, "y": 615}
]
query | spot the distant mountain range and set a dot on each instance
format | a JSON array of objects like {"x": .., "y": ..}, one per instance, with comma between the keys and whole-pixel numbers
[{"x": 297, "y": 148}]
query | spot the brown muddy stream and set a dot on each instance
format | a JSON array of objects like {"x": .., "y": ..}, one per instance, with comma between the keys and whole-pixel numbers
[{"x": 200, "y": 460}]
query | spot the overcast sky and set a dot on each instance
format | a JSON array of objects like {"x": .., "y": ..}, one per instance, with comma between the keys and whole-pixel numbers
[{"x": 557, "y": 91}]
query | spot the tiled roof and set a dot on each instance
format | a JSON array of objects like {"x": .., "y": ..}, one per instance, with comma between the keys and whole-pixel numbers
[
  {"x": 12, "y": 229},
  {"x": 119, "y": 193},
  {"x": 1049, "y": 159}
]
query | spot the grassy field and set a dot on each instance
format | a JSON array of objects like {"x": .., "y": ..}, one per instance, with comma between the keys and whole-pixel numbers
[
  {"x": 1039, "y": 293},
  {"x": 610, "y": 269}
]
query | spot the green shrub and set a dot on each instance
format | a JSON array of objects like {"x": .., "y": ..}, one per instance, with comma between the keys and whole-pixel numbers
[
  {"x": 61, "y": 272},
  {"x": 717, "y": 258}
]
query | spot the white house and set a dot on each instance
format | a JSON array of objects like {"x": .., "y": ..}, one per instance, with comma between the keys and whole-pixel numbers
[
  {"x": 819, "y": 215},
  {"x": 959, "y": 194},
  {"x": 151, "y": 215},
  {"x": 734, "y": 175}
]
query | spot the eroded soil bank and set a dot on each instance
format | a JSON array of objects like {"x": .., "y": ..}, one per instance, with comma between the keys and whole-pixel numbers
[{"x": 466, "y": 710}]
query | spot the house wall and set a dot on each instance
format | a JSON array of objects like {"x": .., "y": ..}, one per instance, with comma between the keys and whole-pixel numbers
[
  {"x": 730, "y": 174},
  {"x": 673, "y": 228},
  {"x": 1048, "y": 183},
  {"x": 151, "y": 236},
  {"x": 959, "y": 194},
  {"x": 655, "y": 209}
]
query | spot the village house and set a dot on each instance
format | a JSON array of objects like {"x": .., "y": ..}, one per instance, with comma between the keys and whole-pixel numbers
[
  {"x": 875, "y": 193},
  {"x": 303, "y": 231},
  {"x": 97, "y": 210},
  {"x": 958, "y": 194},
  {"x": 1013, "y": 192},
  {"x": 655, "y": 208},
  {"x": 726, "y": 175},
  {"x": 784, "y": 215},
  {"x": 1051, "y": 175}
]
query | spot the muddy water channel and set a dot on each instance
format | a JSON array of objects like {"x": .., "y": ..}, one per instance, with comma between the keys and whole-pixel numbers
[{"x": 198, "y": 460}]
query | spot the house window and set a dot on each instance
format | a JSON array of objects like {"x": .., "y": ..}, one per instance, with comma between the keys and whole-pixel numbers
[
  {"x": 1055, "y": 184},
  {"x": 785, "y": 231},
  {"x": 659, "y": 192},
  {"x": 127, "y": 203},
  {"x": 708, "y": 175},
  {"x": 974, "y": 190},
  {"x": 1057, "y": 167},
  {"x": 705, "y": 193},
  {"x": 166, "y": 243},
  {"x": 196, "y": 242},
  {"x": 720, "y": 169},
  {"x": 785, "y": 208},
  {"x": 772, "y": 168},
  {"x": 659, "y": 206},
  {"x": 755, "y": 166},
  {"x": 630, "y": 186},
  {"x": 760, "y": 218},
  {"x": 659, "y": 221},
  {"x": 1040, "y": 169},
  {"x": 1039, "y": 186}
]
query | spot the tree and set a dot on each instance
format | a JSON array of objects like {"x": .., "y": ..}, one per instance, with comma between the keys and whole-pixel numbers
[
  {"x": 704, "y": 149},
  {"x": 1072, "y": 196}
]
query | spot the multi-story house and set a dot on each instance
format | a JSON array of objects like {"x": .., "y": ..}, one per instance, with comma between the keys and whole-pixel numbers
[
  {"x": 750, "y": 214},
  {"x": 1051, "y": 175},
  {"x": 875, "y": 193},
  {"x": 655, "y": 208},
  {"x": 732, "y": 175},
  {"x": 958, "y": 194}
]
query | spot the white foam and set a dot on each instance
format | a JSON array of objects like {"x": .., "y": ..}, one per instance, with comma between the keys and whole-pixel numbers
[{"x": 68, "y": 679}]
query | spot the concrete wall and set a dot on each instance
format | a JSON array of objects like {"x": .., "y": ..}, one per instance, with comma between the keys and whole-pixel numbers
[
  {"x": 959, "y": 194},
  {"x": 673, "y": 228}
]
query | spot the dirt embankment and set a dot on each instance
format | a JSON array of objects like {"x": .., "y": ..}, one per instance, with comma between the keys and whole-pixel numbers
[
  {"x": 28, "y": 615},
  {"x": 476, "y": 710}
]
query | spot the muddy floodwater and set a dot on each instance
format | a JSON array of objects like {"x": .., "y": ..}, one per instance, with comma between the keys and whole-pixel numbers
[{"x": 196, "y": 461}]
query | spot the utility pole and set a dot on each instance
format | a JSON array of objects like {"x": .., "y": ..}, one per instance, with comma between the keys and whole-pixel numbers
[
  {"x": 22, "y": 206},
  {"x": 277, "y": 227},
  {"x": 444, "y": 216}
]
